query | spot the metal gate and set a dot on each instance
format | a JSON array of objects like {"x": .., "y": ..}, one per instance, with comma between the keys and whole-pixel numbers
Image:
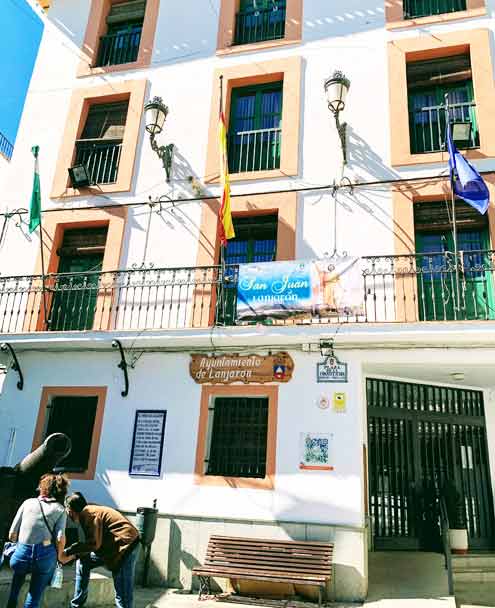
[{"x": 420, "y": 437}]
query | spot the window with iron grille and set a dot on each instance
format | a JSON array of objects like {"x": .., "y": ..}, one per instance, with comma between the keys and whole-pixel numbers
[
  {"x": 259, "y": 20},
  {"x": 428, "y": 84},
  {"x": 238, "y": 431},
  {"x": 75, "y": 416},
  {"x": 425, "y": 8},
  {"x": 124, "y": 27},
  {"x": 100, "y": 146},
  {"x": 255, "y": 134}
]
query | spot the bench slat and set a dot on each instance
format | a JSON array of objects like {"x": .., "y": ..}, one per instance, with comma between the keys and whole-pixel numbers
[
  {"x": 269, "y": 563},
  {"x": 240, "y": 573},
  {"x": 271, "y": 541}
]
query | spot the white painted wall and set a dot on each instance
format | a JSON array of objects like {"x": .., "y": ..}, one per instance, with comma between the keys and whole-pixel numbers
[{"x": 162, "y": 381}]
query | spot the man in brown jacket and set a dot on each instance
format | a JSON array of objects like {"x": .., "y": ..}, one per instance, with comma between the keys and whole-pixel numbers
[{"x": 111, "y": 540}]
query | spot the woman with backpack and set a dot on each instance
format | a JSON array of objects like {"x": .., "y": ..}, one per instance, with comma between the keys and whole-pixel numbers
[{"x": 39, "y": 531}]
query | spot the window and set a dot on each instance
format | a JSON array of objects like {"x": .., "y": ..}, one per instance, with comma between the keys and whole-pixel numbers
[
  {"x": 423, "y": 8},
  {"x": 76, "y": 411},
  {"x": 444, "y": 294},
  {"x": 124, "y": 26},
  {"x": 255, "y": 132},
  {"x": 255, "y": 241},
  {"x": 259, "y": 20},
  {"x": 238, "y": 445},
  {"x": 429, "y": 83},
  {"x": 74, "y": 416},
  {"x": 75, "y": 289},
  {"x": 100, "y": 145}
]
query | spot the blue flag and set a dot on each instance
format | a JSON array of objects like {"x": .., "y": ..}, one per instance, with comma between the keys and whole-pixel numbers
[{"x": 467, "y": 182}]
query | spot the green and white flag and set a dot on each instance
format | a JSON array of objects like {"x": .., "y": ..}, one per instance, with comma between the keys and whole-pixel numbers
[{"x": 35, "y": 206}]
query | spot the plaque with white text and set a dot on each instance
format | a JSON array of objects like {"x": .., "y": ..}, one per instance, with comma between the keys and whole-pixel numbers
[{"x": 147, "y": 443}]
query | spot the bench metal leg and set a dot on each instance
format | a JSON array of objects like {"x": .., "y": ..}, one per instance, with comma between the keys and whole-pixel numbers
[{"x": 204, "y": 586}]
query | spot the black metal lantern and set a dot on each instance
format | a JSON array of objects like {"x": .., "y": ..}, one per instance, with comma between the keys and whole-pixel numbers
[
  {"x": 156, "y": 114},
  {"x": 79, "y": 176},
  {"x": 336, "y": 89},
  {"x": 461, "y": 132}
]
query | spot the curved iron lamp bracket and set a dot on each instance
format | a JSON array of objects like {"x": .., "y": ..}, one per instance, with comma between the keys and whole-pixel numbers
[
  {"x": 165, "y": 154},
  {"x": 6, "y": 347},
  {"x": 342, "y": 131},
  {"x": 123, "y": 366}
]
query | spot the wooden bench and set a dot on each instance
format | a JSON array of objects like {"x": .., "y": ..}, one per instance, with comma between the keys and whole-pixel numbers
[{"x": 278, "y": 561}]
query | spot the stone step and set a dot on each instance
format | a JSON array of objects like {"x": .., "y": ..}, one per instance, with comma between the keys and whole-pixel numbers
[
  {"x": 101, "y": 590},
  {"x": 473, "y": 560},
  {"x": 474, "y": 575},
  {"x": 472, "y": 595}
]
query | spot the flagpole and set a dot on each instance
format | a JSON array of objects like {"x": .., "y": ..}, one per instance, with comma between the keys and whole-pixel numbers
[
  {"x": 222, "y": 246},
  {"x": 454, "y": 220},
  {"x": 43, "y": 289}
]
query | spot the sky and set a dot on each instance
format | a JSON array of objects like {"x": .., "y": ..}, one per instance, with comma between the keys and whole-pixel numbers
[{"x": 19, "y": 42}]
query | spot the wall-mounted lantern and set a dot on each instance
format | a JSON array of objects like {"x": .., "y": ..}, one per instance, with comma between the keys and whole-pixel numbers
[
  {"x": 156, "y": 114},
  {"x": 336, "y": 89}
]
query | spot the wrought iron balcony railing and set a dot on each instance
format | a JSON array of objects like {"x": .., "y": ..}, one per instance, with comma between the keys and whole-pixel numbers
[
  {"x": 259, "y": 25},
  {"x": 101, "y": 157},
  {"x": 425, "y": 8},
  {"x": 119, "y": 48},
  {"x": 405, "y": 288},
  {"x": 427, "y": 127},
  {"x": 256, "y": 150},
  {"x": 6, "y": 148}
]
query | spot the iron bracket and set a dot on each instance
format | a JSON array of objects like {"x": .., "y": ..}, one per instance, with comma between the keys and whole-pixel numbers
[
  {"x": 165, "y": 154},
  {"x": 326, "y": 348},
  {"x": 6, "y": 347},
  {"x": 342, "y": 131},
  {"x": 123, "y": 366}
]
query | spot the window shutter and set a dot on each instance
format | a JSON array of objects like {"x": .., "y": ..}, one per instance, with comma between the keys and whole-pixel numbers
[
  {"x": 436, "y": 216},
  {"x": 79, "y": 241},
  {"x": 439, "y": 71},
  {"x": 125, "y": 12},
  {"x": 106, "y": 121}
]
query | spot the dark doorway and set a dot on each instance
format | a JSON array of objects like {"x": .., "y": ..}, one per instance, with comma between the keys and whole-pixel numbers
[{"x": 419, "y": 438}]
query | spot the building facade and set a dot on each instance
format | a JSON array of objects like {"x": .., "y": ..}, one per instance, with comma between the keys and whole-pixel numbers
[{"x": 339, "y": 423}]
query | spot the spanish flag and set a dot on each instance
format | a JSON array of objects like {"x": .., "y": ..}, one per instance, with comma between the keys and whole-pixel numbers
[{"x": 225, "y": 213}]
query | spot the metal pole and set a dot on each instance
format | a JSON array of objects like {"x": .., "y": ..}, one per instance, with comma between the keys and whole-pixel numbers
[
  {"x": 43, "y": 288},
  {"x": 454, "y": 222},
  {"x": 222, "y": 247}
]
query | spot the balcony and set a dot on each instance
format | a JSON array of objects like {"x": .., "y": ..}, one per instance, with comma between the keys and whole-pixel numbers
[
  {"x": 259, "y": 25},
  {"x": 408, "y": 288},
  {"x": 255, "y": 150},
  {"x": 119, "y": 48},
  {"x": 425, "y": 8},
  {"x": 6, "y": 148},
  {"x": 427, "y": 127},
  {"x": 101, "y": 158}
]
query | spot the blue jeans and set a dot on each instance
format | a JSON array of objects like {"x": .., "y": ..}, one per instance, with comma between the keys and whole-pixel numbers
[
  {"x": 40, "y": 561},
  {"x": 123, "y": 579}
]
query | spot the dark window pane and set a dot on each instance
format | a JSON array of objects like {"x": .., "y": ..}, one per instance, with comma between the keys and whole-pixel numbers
[{"x": 74, "y": 416}]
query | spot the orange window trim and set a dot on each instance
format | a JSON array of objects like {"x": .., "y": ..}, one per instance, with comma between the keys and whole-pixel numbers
[
  {"x": 96, "y": 28},
  {"x": 289, "y": 70},
  {"x": 403, "y": 200},
  {"x": 48, "y": 393},
  {"x": 54, "y": 225},
  {"x": 81, "y": 100},
  {"x": 477, "y": 43},
  {"x": 283, "y": 204},
  {"x": 394, "y": 15},
  {"x": 208, "y": 393},
  {"x": 226, "y": 28}
]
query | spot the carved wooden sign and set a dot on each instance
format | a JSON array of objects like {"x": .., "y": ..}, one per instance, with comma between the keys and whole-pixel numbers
[{"x": 227, "y": 369}]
